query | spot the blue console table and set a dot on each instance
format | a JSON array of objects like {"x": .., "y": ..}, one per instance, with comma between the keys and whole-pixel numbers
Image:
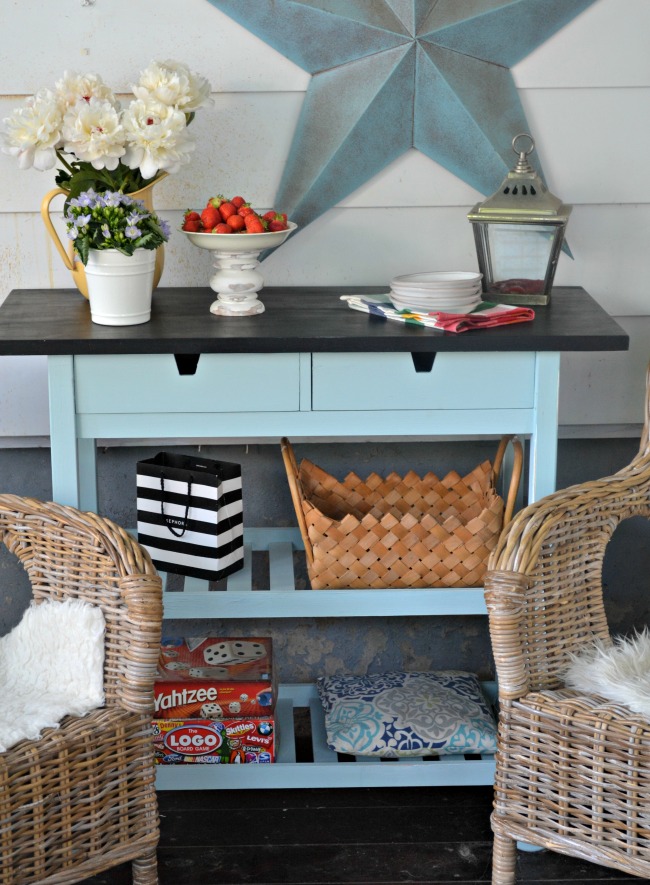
[{"x": 308, "y": 367}]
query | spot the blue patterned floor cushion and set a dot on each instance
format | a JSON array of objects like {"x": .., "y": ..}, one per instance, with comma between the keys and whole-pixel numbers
[{"x": 407, "y": 714}]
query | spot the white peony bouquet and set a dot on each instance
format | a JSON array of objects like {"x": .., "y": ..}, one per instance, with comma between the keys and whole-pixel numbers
[{"x": 98, "y": 144}]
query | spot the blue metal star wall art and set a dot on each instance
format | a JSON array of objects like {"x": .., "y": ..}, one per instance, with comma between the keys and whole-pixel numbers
[{"x": 390, "y": 75}]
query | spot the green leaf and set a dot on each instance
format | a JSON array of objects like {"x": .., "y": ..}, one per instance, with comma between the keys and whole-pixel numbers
[
  {"x": 82, "y": 248},
  {"x": 82, "y": 181},
  {"x": 62, "y": 179},
  {"x": 146, "y": 241}
]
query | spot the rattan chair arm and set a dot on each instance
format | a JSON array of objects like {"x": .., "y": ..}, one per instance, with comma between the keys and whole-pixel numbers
[
  {"x": 644, "y": 444},
  {"x": 552, "y": 554},
  {"x": 129, "y": 556},
  {"x": 622, "y": 494},
  {"x": 143, "y": 618},
  {"x": 69, "y": 554},
  {"x": 580, "y": 506},
  {"x": 505, "y": 598}
]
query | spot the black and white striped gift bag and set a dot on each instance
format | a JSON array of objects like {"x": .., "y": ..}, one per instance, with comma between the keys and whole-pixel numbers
[{"x": 190, "y": 515}]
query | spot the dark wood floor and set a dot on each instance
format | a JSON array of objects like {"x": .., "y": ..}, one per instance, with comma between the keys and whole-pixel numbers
[{"x": 369, "y": 836}]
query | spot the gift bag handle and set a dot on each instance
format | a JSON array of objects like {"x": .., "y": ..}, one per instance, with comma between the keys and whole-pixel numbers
[{"x": 178, "y": 533}]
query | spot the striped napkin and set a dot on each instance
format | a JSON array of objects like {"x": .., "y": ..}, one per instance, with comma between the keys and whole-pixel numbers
[{"x": 485, "y": 315}]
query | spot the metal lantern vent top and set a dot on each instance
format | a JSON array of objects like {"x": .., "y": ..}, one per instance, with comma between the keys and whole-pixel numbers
[{"x": 519, "y": 232}]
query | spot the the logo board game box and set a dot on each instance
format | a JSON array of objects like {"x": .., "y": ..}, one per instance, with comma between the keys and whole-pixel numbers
[
  {"x": 209, "y": 741},
  {"x": 214, "y": 678}
]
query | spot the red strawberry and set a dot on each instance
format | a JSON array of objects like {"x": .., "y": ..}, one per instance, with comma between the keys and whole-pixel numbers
[
  {"x": 270, "y": 215},
  {"x": 209, "y": 217},
  {"x": 274, "y": 224},
  {"x": 193, "y": 225},
  {"x": 189, "y": 214},
  {"x": 227, "y": 209},
  {"x": 222, "y": 228},
  {"x": 237, "y": 222},
  {"x": 239, "y": 202},
  {"x": 254, "y": 224},
  {"x": 246, "y": 210}
]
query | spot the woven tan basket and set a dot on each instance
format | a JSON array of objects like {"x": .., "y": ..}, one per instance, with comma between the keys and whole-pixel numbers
[{"x": 406, "y": 531}]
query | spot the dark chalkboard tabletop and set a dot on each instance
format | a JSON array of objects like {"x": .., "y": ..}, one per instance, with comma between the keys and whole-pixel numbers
[{"x": 296, "y": 319}]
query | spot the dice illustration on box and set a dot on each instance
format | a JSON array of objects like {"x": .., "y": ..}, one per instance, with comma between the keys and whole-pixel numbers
[
  {"x": 209, "y": 672},
  {"x": 233, "y": 652},
  {"x": 211, "y": 711}
]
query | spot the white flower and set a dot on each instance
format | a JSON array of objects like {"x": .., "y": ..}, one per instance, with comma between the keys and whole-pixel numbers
[
  {"x": 157, "y": 137},
  {"x": 74, "y": 87},
  {"x": 33, "y": 132},
  {"x": 174, "y": 84},
  {"x": 93, "y": 133},
  {"x": 82, "y": 118}
]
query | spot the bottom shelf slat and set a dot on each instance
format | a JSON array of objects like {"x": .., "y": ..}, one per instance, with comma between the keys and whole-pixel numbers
[
  {"x": 327, "y": 769},
  {"x": 320, "y": 751},
  {"x": 285, "y": 734}
]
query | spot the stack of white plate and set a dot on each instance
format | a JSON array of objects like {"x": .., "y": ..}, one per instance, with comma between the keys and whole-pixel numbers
[{"x": 454, "y": 291}]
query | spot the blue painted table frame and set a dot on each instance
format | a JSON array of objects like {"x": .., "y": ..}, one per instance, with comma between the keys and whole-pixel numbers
[{"x": 307, "y": 368}]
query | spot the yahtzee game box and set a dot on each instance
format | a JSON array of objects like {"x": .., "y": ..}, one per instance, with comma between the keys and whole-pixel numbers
[
  {"x": 214, "y": 678},
  {"x": 226, "y": 741}
]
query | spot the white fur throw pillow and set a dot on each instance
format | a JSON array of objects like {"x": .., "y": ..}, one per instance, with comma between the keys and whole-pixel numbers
[
  {"x": 620, "y": 673},
  {"x": 51, "y": 665}
]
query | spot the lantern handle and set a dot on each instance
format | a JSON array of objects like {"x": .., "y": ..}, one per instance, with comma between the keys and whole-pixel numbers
[{"x": 522, "y": 163}]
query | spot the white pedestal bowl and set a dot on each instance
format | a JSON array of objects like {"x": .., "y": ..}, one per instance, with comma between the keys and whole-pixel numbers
[{"x": 236, "y": 279}]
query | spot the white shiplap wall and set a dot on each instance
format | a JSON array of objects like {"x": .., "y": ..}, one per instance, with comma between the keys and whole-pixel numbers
[{"x": 586, "y": 93}]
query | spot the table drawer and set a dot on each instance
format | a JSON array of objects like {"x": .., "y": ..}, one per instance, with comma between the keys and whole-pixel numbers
[
  {"x": 149, "y": 383},
  {"x": 389, "y": 381}
]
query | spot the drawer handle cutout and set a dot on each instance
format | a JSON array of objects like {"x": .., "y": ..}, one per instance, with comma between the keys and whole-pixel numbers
[
  {"x": 423, "y": 362},
  {"x": 186, "y": 363}
]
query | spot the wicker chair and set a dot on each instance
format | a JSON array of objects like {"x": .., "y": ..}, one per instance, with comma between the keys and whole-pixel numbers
[
  {"x": 82, "y": 798},
  {"x": 573, "y": 771}
]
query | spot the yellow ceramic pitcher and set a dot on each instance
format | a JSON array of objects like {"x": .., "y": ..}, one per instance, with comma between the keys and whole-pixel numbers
[{"x": 72, "y": 261}]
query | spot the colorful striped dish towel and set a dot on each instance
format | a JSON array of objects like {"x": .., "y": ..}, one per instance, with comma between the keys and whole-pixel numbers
[{"x": 485, "y": 315}]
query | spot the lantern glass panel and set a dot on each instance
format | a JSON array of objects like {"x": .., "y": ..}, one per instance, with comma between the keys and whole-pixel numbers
[{"x": 519, "y": 256}]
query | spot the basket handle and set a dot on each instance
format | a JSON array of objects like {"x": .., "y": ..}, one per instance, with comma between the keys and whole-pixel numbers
[
  {"x": 515, "y": 476},
  {"x": 297, "y": 494}
]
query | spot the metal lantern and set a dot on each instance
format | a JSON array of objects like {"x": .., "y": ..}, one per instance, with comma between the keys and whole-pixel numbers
[{"x": 519, "y": 232}]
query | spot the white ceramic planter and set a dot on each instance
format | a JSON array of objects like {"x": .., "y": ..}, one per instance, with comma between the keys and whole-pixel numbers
[{"x": 120, "y": 286}]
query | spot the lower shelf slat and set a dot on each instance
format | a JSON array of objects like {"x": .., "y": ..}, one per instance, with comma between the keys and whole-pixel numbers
[
  {"x": 326, "y": 769},
  {"x": 283, "y": 600}
]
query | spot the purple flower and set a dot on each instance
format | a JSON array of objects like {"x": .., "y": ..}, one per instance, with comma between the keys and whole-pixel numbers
[
  {"x": 86, "y": 198},
  {"x": 166, "y": 228},
  {"x": 112, "y": 198},
  {"x": 132, "y": 232}
]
